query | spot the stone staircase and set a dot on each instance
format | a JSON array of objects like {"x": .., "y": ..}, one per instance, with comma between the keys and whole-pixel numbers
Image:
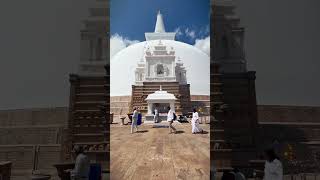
[
  {"x": 219, "y": 151},
  {"x": 88, "y": 119},
  {"x": 181, "y": 92},
  {"x": 232, "y": 133}
]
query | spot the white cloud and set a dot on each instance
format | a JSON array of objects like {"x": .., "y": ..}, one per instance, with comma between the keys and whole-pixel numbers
[
  {"x": 203, "y": 45},
  {"x": 117, "y": 43},
  {"x": 178, "y": 31},
  {"x": 190, "y": 33}
]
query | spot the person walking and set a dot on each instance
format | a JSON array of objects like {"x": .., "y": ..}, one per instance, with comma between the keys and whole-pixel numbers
[
  {"x": 170, "y": 118},
  {"x": 273, "y": 167},
  {"x": 82, "y": 165},
  {"x": 156, "y": 116},
  {"x": 195, "y": 123},
  {"x": 134, "y": 120}
]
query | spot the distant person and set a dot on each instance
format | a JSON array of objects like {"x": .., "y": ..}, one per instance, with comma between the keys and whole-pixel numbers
[
  {"x": 156, "y": 116},
  {"x": 238, "y": 174},
  {"x": 170, "y": 118},
  {"x": 134, "y": 120},
  {"x": 82, "y": 165},
  {"x": 273, "y": 167},
  {"x": 195, "y": 122}
]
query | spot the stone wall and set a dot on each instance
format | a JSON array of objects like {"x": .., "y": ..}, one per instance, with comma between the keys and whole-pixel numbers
[
  {"x": 200, "y": 97},
  {"x": 31, "y": 135},
  {"x": 30, "y": 117},
  {"x": 297, "y": 126},
  {"x": 28, "y": 136},
  {"x": 119, "y": 105},
  {"x": 273, "y": 113}
]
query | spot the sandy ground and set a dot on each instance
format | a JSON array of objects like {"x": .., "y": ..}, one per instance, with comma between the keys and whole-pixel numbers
[{"x": 153, "y": 153}]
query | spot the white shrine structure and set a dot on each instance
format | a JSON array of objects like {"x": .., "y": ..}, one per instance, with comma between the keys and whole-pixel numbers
[
  {"x": 160, "y": 65},
  {"x": 157, "y": 99}
]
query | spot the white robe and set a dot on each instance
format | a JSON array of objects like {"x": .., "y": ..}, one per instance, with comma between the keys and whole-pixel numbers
[
  {"x": 195, "y": 123},
  {"x": 170, "y": 116},
  {"x": 273, "y": 170},
  {"x": 81, "y": 169},
  {"x": 156, "y": 116}
]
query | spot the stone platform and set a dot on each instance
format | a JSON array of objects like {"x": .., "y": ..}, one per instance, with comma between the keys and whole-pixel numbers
[{"x": 153, "y": 153}]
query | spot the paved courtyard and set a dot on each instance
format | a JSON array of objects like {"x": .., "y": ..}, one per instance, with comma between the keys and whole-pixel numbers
[{"x": 153, "y": 153}]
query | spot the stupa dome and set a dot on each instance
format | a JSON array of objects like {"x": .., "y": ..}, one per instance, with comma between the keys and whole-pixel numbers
[{"x": 124, "y": 63}]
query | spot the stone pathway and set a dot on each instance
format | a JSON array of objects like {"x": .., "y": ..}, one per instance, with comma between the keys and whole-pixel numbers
[{"x": 153, "y": 153}]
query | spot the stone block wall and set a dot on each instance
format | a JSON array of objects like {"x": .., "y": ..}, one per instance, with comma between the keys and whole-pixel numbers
[
  {"x": 40, "y": 116},
  {"x": 278, "y": 113},
  {"x": 32, "y": 137}
]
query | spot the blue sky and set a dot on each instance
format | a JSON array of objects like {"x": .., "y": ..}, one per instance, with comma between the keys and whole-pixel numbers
[{"x": 132, "y": 18}]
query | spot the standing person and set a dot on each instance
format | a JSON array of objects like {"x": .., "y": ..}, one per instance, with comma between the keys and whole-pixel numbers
[
  {"x": 170, "y": 118},
  {"x": 273, "y": 167},
  {"x": 195, "y": 122},
  {"x": 82, "y": 165},
  {"x": 134, "y": 120},
  {"x": 156, "y": 116}
]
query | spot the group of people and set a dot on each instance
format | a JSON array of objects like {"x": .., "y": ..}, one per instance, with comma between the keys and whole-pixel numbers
[{"x": 171, "y": 116}]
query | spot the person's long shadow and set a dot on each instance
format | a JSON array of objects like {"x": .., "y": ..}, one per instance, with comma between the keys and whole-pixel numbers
[
  {"x": 179, "y": 132},
  {"x": 142, "y": 131},
  {"x": 204, "y": 132}
]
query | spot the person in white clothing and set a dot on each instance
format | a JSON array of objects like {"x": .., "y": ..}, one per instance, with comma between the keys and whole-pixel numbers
[
  {"x": 82, "y": 165},
  {"x": 195, "y": 122},
  {"x": 170, "y": 118},
  {"x": 134, "y": 120},
  {"x": 273, "y": 167},
  {"x": 156, "y": 116}
]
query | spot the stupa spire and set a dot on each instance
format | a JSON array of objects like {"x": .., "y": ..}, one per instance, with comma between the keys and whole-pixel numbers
[{"x": 159, "y": 24}]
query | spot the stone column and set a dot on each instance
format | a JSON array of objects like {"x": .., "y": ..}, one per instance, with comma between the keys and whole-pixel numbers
[
  {"x": 173, "y": 74},
  {"x": 172, "y": 106},
  {"x": 149, "y": 108}
]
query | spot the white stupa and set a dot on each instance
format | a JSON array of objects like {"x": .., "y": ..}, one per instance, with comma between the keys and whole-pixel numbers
[{"x": 160, "y": 58}]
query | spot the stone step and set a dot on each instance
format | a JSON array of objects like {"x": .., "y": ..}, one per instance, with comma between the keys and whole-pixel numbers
[
  {"x": 88, "y": 129},
  {"x": 88, "y": 105},
  {"x": 93, "y": 80},
  {"x": 92, "y": 143},
  {"x": 92, "y": 89},
  {"x": 84, "y": 138},
  {"x": 87, "y": 113},
  {"x": 91, "y": 97},
  {"x": 90, "y": 122},
  {"x": 217, "y": 103}
]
